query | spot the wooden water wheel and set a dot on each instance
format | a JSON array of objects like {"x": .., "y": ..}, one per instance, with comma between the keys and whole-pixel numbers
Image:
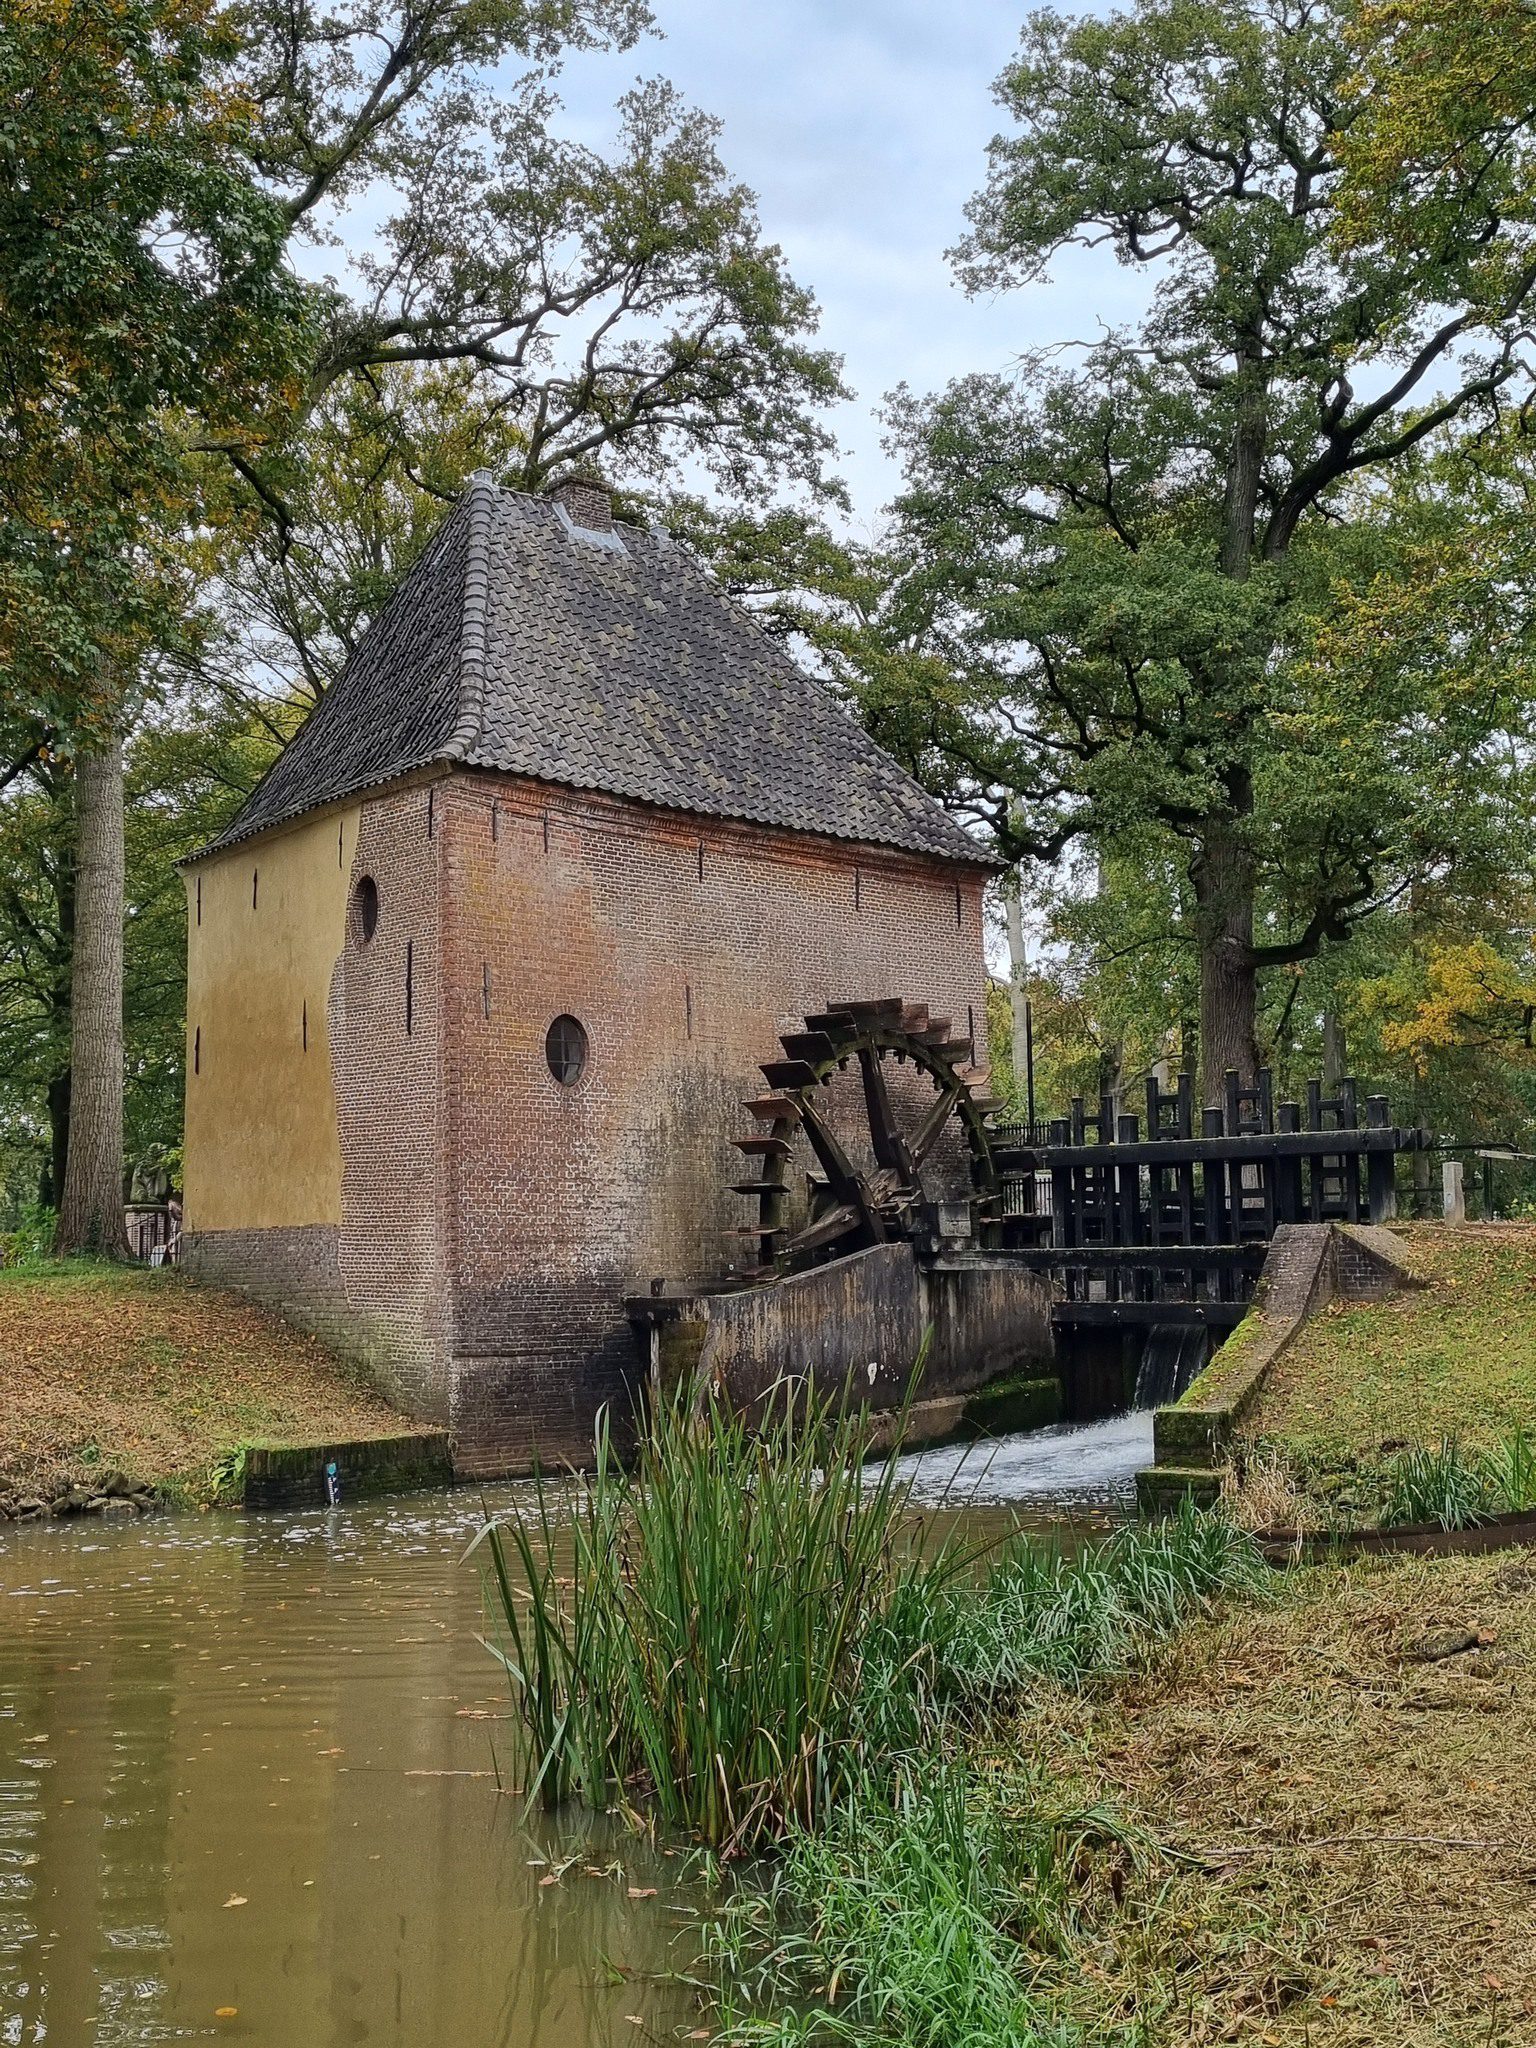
[{"x": 873, "y": 1122}]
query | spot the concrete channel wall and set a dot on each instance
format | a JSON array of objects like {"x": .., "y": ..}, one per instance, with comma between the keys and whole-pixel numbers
[{"x": 859, "y": 1326}]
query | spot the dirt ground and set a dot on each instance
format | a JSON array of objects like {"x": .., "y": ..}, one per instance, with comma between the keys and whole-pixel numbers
[
  {"x": 120, "y": 1367},
  {"x": 1343, "y": 1822}
]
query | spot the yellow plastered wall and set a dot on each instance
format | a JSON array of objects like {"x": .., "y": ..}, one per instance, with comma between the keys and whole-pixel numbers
[{"x": 261, "y": 1142}]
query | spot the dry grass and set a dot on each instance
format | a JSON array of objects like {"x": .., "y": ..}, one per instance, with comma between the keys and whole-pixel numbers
[
  {"x": 1455, "y": 1359},
  {"x": 1348, "y": 1835},
  {"x": 110, "y": 1366},
  {"x": 1263, "y": 1493}
]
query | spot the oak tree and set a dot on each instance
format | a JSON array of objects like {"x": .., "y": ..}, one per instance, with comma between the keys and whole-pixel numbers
[{"x": 1125, "y": 554}]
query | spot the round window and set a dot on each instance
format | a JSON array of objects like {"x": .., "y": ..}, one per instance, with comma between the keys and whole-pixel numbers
[
  {"x": 366, "y": 897},
  {"x": 565, "y": 1047}
]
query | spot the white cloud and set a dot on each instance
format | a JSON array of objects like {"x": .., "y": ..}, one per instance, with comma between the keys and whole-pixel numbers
[{"x": 862, "y": 125}]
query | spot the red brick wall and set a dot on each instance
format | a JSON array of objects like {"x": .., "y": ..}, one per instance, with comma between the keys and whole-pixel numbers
[
  {"x": 493, "y": 1221},
  {"x": 390, "y": 1083},
  {"x": 683, "y": 965}
]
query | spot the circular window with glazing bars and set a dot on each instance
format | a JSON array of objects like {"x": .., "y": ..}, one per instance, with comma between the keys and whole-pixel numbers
[
  {"x": 366, "y": 898},
  {"x": 565, "y": 1047}
]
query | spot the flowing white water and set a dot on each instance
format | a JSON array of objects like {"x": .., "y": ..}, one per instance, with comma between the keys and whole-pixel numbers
[{"x": 1074, "y": 1464}]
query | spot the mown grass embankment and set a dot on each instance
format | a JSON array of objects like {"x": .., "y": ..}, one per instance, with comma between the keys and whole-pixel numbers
[
  {"x": 1415, "y": 1408},
  {"x": 1456, "y": 1357},
  {"x": 1304, "y": 1824},
  {"x": 119, "y": 1367},
  {"x": 1344, "y": 1820}
]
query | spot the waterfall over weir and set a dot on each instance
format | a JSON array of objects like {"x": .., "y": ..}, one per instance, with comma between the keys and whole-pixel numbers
[{"x": 1171, "y": 1357}]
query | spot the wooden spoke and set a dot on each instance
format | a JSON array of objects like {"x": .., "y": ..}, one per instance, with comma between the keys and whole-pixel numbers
[
  {"x": 843, "y": 1182},
  {"x": 846, "y": 1218},
  {"x": 889, "y": 1145},
  {"x": 933, "y": 1124}
]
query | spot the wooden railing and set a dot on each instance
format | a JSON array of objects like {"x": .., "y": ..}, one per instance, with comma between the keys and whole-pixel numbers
[{"x": 1173, "y": 1213}]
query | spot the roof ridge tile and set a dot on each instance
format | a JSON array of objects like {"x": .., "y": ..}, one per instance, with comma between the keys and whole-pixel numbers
[{"x": 473, "y": 645}]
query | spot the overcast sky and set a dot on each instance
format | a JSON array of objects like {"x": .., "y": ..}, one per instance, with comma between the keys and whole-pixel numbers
[{"x": 862, "y": 125}]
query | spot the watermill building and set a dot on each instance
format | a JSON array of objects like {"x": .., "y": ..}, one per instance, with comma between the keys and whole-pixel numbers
[{"x": 481, "y": 974}]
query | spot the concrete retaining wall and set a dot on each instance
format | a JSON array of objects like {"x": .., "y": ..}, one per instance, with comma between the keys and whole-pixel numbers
[
  {"x": 859, "y": 1324},
  {"x": 293, "y": 1475}
]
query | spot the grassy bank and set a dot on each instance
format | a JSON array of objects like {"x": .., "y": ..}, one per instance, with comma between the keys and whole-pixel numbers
[
  {"x": 1455, "y": 1358},
  {"x": 1293, "y": 1826},
  {"x": 1147, "y": 1795},
  {"x": 1378, "y": 1406},
  {"x": 109, "y": 1367}
]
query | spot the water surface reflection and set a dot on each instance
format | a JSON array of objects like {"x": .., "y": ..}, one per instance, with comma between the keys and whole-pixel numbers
[
  {"x": 247, "y": 1789},
  {"x": 292, "y": 1713}
]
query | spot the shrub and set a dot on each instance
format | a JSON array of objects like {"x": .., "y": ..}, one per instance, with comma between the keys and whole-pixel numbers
[{"x": 30, "y": 1243}]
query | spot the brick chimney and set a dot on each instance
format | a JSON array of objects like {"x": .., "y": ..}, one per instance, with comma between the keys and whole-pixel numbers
[{"x": 585, "y": 500}]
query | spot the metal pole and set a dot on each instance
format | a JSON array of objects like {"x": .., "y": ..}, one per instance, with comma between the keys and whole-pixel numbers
[{"x": 1029, "y": 1064}]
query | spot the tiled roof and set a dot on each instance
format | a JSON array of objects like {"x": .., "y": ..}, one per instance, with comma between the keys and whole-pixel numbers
[{"x": 608, "y": 662}]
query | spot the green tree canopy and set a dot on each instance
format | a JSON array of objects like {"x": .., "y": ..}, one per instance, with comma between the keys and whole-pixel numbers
[
  {"x": 141, "y": 280},
  {"x": 1127, "y": 557}
]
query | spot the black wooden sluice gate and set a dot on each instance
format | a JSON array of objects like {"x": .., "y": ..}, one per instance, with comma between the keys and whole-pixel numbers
[{"x": 1175, "y": 1224}]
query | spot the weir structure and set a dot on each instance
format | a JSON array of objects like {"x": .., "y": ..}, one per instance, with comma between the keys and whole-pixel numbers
[{"x": 894, "y": 1216}]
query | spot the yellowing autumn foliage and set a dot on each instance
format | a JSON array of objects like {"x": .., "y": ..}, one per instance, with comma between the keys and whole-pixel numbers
[{"x": 1459, "y": 994}]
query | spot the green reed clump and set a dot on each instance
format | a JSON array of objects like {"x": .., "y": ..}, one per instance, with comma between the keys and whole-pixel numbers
[
  {"x": 734, "y": 1632},
  {"x": 1511, "y": 1466},
  {"x": 1042, "y": 1614},
  {"x": 1450, "y": 1487},
  {"x": 919, "y": 1920},
  {"x": 692, "y": 1636},
  {"x": 1444, "y": 1485}
]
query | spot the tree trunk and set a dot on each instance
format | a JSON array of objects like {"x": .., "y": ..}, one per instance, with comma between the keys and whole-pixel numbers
[
  {"x": 91, "y": 1213},
  {"x": 1018, "y": 990},
  {"x": 55, "y": 1171},
  {"x": 1245, "y": 469},
  {"x": 1335, "y": 1057},
  {"x": 1222, "y": 876},
  {"x": 61, "y": 791}
]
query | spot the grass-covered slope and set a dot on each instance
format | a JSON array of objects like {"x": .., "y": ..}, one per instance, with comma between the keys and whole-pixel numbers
[
  {"x": 1455, "y": 1359},
  {"x": 120, "y": 1367},
  {"x": 1342, "y": 1816}
]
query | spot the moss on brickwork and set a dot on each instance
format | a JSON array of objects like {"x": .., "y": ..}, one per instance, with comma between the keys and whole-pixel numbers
[
  {"x": 1020, "y": 1402},
  {"x": 1230, "y": 1365}
]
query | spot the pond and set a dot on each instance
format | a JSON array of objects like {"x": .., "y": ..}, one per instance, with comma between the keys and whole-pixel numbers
[{"x": 248, "y": 1790}]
